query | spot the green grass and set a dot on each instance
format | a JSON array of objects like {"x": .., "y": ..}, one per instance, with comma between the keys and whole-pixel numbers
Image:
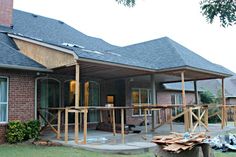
[
  {"x": 228, "y": 154},
  {"x": 23, "y": 150}
]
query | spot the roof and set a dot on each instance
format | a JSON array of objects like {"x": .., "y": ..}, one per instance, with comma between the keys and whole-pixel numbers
[
  {"x": 53, "y": 31},
  {"x": 165, "y": 53},
  {"x": 155, "y": 55},
  {"x": 10, "y": 57}
]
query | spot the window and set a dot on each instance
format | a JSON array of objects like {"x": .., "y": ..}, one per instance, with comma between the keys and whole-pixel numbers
[
  {"x": 3, "y": 99},
  {"x": 140, "y": 96},
  {"x": 176, "y": 99}
]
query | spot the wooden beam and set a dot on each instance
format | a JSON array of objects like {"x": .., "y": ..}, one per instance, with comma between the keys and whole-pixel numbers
[
  {"x": 77, "y": 85},
  {"x": 186, "y": 123},
  {"x": 66, "y": 125},
  {"x": 76, "y": 127},
  {"x": 59, "y": 124},
  {"x": 86, "y": 94},
  {"x": 85, "y": 124},
  {"x": 223, "y": 103},
  {"x": 196, "y": 92},
  {"x": 113, "y": 122},
  {"x": 122, "y": 125},
  {"x": 154, "y": 114},
  {"x": 190, "y": 118}
]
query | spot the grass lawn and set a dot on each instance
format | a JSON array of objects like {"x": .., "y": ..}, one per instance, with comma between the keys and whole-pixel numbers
[{"x": 23, "y": 150}]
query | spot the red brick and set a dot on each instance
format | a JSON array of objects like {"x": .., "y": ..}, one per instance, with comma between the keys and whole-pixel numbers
[{"x": 6, "y": 7}]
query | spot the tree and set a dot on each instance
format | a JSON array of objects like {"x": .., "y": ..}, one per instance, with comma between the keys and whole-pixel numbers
[
  {"x": 207, "y": 97},
  {"x": 225, "y": 10}
]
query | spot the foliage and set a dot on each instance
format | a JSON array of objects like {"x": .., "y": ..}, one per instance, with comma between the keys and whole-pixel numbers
[
  {"x": 15, "y": 132},
  {"x": 207, "y": 97},
  {"x": 32, "y": 130},
  {"x": 18, "y": 131},
  {"x": 224, "y": 9},
  {"x": 128, "y": 3}
]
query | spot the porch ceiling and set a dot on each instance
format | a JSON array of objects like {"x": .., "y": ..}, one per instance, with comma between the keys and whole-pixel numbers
[
  {"x": 104, "y": 71},
  {"x": 101, "y": 71}
]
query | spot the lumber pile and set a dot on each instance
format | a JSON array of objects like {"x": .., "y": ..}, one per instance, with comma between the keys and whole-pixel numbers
[{"x": 177, "y": 142}]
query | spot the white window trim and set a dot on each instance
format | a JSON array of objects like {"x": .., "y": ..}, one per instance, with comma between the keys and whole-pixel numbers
[
  {"x": 140, "y": 104},
  {"x": 7, "y": 100}
]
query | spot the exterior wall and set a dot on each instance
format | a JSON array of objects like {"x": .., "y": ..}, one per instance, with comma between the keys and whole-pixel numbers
[
  {"x": 130, "y": 119},
  {"x": 164, "y": 97},
  {"x": 231, "y": 101},
  {"x": 20, "y": 97}
]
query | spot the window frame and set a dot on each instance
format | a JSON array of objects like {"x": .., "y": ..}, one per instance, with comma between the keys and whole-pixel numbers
[
  {"x": 149, "y": 91},
  {"x": 6, "y": 103}
]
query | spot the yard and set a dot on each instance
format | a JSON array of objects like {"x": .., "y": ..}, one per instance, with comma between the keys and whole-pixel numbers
[{"x": 24, "y": 150}]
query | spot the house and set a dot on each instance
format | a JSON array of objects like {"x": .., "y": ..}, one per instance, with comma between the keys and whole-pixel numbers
[{"x": 45, "y": 63}]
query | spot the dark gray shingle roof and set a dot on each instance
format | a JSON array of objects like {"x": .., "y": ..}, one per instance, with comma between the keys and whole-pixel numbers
[
  {"x": 165, "y": 53},
  {"x": 159, "y": 54},
  {"x": 54, "y": 32}
]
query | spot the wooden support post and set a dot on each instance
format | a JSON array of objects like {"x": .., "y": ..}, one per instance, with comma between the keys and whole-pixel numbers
[
  {"x": 191, "y": 119},
  {"x": 66, "y": 125},
  {"x": 85, "y": 124},
  {"x": 114, "y": 122},
  {"x": 196, "y": 92},
  {"x": 122, "y": 125},
  {"x": 206, "y": 116},
  {"x": 171, "y": 122},
  {"x": 234, "y": 108},
  {"x": 145, "y": 120},
  {"x": 77, "y": 84},
  {"x": 186, "y": 123},
  {"x": 154, "y": 101},
  {"x": 76, "y": 127},
  {"x": 223, "y": 105},
  {"x": 198, "y": 115},
  {"x": 101, "y": 117},
  {"x": 59, "y": 124}
]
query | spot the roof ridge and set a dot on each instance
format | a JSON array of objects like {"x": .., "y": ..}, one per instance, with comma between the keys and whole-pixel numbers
[{"x": 173, "y": 46}]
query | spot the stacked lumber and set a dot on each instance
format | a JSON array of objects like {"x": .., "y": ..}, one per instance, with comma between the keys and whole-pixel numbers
[{"x": 177, "y": 142}]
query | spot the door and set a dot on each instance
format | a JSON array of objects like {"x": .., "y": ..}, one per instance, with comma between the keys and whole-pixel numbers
[{"x": 48, "y": 97}]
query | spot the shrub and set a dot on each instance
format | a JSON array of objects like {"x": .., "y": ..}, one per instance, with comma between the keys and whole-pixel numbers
[
  {"x": 207, "y": 97},
  {"x": 32, "y": 130},
  {"x": 15, "y": 132},
  {"x": 18, "y": 131}
]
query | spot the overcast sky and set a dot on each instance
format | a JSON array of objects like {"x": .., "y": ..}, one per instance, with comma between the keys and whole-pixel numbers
[{"x": 180, "y": 20}]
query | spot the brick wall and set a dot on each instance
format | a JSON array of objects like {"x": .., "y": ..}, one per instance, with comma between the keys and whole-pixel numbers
[
  {"x": 6, "y": 12},
  {"x": 20, "y": 97}
]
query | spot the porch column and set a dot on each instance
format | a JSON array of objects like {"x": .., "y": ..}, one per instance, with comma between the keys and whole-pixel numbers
[
  {"x": 223, "y": 113},
  {"x": 196, "y": 92},
  {"x": 77, "y": 94},
  {"x": 154, "y": 102},
  {"x": 186, "y": 123},
  {"x": 77, "y": 85}
]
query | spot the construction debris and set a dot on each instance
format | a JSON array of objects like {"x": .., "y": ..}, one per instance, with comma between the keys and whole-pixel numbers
[
  {"x": 177, "y": 142},
  {"x": 223, "y": 142}
]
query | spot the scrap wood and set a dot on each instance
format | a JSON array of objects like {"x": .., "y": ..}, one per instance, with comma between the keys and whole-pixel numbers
[{"x": 176, "y": 142}]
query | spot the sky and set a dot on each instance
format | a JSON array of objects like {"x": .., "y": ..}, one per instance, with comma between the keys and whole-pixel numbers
[{"x": 180, "y": 20}]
